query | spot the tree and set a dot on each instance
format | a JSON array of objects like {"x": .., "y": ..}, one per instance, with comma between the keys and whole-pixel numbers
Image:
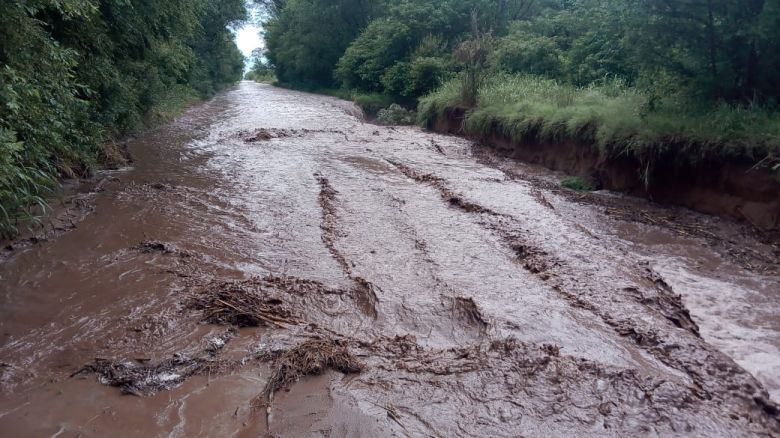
[
  {"x": 74, "y": 73},
  {"x": 306, "y": 38},
  {"x": 724, "y": 48}
]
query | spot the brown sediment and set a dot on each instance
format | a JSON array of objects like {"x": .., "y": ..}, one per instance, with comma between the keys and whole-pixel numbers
[
  {"x": 684, "y": 223},
  {"x": 64, "y": 213},
  {"x": 327, "y": 204},
  {"x": 364, "y": 291},
  {"x": 466, "y": 309},
  {"x": 448, "y": 195},
  {"x": 658, "y": 298}
]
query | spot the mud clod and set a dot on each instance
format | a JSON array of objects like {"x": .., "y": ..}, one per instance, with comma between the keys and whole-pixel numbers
[
  {"x": 153, "y": 246},
  {"x": 365, "y": 296},
  {"x": 264, "y": 134},
  {"x": 470, "y": 207},
  {"x": 668, "y": 303},
  {"x": 466, "y": 309}
]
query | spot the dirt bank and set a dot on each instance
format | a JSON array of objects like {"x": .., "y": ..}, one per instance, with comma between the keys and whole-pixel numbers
[{"x": 734, "y": 189}]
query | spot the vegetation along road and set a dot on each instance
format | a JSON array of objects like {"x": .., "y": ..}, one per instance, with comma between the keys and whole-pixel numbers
[{"x": 446, "y": 218}]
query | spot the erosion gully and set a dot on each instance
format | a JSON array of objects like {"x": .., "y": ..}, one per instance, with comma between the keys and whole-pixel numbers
[{"x": 273, "y": 265}]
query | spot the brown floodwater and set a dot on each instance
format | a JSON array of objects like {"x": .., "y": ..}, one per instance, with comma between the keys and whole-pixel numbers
[{"x": 273, "y": 265}]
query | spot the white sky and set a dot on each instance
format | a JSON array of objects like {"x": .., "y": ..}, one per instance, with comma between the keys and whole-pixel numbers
[{"x": 248, "y": 39}]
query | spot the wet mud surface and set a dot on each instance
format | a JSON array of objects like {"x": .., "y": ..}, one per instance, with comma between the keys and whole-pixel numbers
[{"x": 274, "y": 266}]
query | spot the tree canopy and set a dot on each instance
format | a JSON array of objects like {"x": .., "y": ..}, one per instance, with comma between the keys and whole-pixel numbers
[
  {"x": 74, "y": 73},
  {"x": 711, "y": 49}
]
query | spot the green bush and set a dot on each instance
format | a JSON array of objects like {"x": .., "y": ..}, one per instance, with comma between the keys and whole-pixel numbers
[
  {"x": 522, "y": 52},
  {"x": 372, "y": 103},
  {"x": 265, "y": 77},
  {"x": 614, "y": 117},
  {"x": 396, "y": 115},
  {"x": 416, "y": 78},
  {"x": 371, "y": 54}
]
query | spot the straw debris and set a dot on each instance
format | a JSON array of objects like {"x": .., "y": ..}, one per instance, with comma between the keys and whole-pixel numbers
[
  {"x": 311, "y": 358},
  {"x": 243, "y": 304}
]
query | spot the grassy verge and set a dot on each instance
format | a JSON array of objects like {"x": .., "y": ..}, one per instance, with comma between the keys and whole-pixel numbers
[{"x": 616, "y": 118}]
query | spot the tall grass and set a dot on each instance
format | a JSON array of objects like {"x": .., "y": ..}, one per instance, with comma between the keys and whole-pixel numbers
[
  {"x": 433, "y": 106},
  {"x": 22, "y": 187},
  {"x": 618, "y": 119}
]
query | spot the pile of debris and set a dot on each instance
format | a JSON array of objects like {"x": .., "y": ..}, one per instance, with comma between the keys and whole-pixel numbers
[
  {"x": 241, "y": 305},
  {"x": 310, "y": 358},
  {"x": 143, "y": 379}
]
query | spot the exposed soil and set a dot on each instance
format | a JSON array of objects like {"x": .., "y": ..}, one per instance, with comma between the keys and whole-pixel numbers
[
  {"x": 275, "y": 266},
  {"x": 736, "y": 188}
]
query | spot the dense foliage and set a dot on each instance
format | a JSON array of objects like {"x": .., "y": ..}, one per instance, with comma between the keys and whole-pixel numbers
[
  {"x": 75, "y": 73},
  {"x": 630, "y": 75}
]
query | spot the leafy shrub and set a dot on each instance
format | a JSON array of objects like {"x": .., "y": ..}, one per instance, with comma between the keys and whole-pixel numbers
[
  {"x": 433, "y": 106},
  {"x": 522, "y": 52},
  {"x": 396, "y": 115},
  {"x": 374, "y": 51},
  {"x": 262, "y": 76},
  {"x": 371, "y": 103},
  {"x": 416, "y": 78}
]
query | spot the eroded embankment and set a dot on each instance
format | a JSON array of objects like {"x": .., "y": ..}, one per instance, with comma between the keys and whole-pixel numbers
[{"x": 735, "y": 188}]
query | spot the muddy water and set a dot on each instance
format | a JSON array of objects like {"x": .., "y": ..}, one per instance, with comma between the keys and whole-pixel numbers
[{"x": 268, "y": 231}]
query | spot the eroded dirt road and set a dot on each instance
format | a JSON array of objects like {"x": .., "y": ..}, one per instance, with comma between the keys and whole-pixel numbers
[{"x": 445, "y": 292}]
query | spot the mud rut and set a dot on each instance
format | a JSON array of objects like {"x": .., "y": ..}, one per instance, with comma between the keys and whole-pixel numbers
[{"x": 274, "y": 266}]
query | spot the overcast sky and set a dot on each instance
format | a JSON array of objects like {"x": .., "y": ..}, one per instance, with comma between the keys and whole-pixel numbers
[{"x": 248, "y": 39}]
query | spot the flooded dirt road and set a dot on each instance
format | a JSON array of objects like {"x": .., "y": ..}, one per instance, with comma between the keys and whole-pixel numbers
[{"x": 274, "y": 266}]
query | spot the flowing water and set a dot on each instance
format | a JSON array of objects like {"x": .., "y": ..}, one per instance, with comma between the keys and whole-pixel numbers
[{"x": 473, "y": 295}]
